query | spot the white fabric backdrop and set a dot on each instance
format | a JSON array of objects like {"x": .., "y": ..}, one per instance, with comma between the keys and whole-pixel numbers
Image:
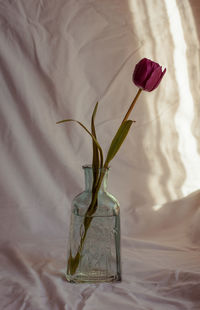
[{"x": 57, "y": 59}]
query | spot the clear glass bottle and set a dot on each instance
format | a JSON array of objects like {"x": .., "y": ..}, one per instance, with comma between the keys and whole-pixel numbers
[{"x": 94, "y": 253}]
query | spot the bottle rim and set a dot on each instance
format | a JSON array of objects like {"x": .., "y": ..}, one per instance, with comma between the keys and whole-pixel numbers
[{"x": 90, "y": 167}]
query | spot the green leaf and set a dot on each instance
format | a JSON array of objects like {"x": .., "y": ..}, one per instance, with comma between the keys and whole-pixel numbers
[
  {"x": 92, "y": 121},
  {"x": 93, "y": 138},
  {"x": 118, "y": 140},
  {"x": 95, "y": 158},
  {"x": 95, "y": 161},
  {"x": 73, "y": 263}
]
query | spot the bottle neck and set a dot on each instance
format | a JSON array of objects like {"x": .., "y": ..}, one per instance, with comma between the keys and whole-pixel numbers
[{"x": 88, "y": 171}]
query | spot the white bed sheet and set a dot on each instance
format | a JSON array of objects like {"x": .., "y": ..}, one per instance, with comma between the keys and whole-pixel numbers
[{"x": 57, "y": 59}]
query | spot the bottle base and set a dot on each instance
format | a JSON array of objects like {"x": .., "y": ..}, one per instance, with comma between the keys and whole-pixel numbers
[{"x": 92, "y": 277}]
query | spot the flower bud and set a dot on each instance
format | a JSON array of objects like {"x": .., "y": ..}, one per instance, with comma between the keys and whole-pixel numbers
[{"x": 147, "y": 74}]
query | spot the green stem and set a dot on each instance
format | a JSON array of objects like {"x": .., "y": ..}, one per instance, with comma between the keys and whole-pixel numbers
[{"x": 132, "y": 105}]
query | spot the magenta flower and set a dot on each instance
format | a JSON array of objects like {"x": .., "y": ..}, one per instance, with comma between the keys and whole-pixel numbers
[{"x": 147, "y": 74}]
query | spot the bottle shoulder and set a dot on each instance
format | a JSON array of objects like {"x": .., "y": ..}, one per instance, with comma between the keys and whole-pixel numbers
[{"x": 108, "y": 205}]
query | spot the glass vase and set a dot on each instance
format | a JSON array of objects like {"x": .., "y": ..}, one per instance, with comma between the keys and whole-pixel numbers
[{"x": 94, "y": 240}]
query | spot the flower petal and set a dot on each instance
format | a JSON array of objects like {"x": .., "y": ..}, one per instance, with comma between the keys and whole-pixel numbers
[
  {"x": 155, "y": 86},
  {"x": 154, "y": 79},
  {"x": 140, "y": 73}
]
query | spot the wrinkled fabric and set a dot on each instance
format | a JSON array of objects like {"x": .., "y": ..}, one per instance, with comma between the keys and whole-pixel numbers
[{"x": 58, "y": 58}]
